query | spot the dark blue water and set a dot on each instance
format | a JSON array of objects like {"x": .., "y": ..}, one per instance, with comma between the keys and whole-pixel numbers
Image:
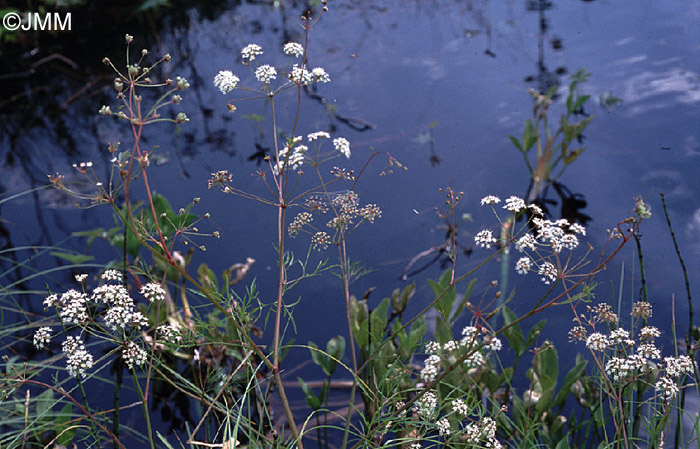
[{"x": 408, "y": 74}]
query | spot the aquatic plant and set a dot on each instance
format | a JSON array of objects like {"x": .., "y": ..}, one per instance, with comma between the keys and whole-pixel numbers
[{"x": 448, "y": 387}]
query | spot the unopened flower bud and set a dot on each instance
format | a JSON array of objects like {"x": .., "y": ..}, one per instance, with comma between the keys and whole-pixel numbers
[
  {"x": 231, "y": 108},
  {"x": 182, "y": 83},
  {"x": 144, "y": 52},
  {"x": 181, "y": 118},
  {"x": 177, "y": 99},
  {"x": 196, "y": 200},
  {"x": 105, "y": 60},
  {"x": 105, "y": 110},
  {"x": 118, "y": 84},
  {"x": 128, "y": 38},
  {"x": 216, "y": 234},
  {"x": 167, "y": 57},
  {"x": 207, "y": 215},
  {"x": 134, "y": 70}
]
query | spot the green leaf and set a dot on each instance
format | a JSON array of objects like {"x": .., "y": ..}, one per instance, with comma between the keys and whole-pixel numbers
[
  {"x": 445, "y": 292},
  {"x": 75, "y": 258},
  {"x": 463, "y": 301},
  {"x": 62, "y": 419},
  {"x": 164, "y": 440},
  {"x": 576, "y": 373},
  {"x": 311, "y": 399},
  {"x": 44, "y": 403},
  {"x": 162, "y": 207},
  {"x": 254, "y": 117},
  {"x": 534, "y": 333},
  {"x": 207, "y": 279},
  {"x": 563, "y": 443},
  {"x": 513, "y": 334},
  {"x": 580, "y": 101},
  {"x": 319, "y": 358},
  {"x": 546, "y": 370},
  {"x": 335, "y": 349},
  {"x": 153, "y": 5},
  {"x": 443, "y": 333},
  {"x": 517, "y": 144},
  {"x": 399, "y": 299},
  {"x": 378, "y": 320},
  {"x": 415, "y": 335},
  {"x": 546, "y": 365},
  {"x": 529, "y": 136},
  {"x": 359, "y": 322}
]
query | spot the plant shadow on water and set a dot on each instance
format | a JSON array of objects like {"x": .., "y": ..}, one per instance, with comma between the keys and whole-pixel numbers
[{"x": 214, "y": 351}]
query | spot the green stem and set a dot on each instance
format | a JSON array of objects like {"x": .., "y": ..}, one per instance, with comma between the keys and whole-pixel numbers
[
  {"x": 144, "y": 404},
  {"x": 639, "y": 399},
  {"x": 688, "y": 341},
  {"x": 85, "y": 411},
  {"x": 117, "y": 388},
  {"x": 92, "y": 424}
]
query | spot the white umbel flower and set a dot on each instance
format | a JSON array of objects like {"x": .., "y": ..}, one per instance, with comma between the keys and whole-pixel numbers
[
  {"x": 225, "y": 81},
  {"x": 341, "y": 144},
  {"x": 293, "y": 49},
  {"x": 250, "y": 51},
  {"x": 265, "y": 74},
  {"x": 42, "y": 337}
]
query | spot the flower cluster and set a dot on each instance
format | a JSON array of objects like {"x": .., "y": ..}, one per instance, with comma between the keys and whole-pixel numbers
[
  {"x": 169, "y": 334},
  {"x": 298, "y": 75},
  {"x": 225, "y": 81},
  {"x": 484, "y": 431},
  {"x": 343, "y": 146},
  {"x": 552, "y": 236},
  {"x": 265, "y": 74},
  {"x": 133, "y": 354},
  {"x": 441, "y": 355},
  {"x": 78, "y": 360},
  {"x": 293, "y": 160},
  {"x": 73, "y": 307},
  {"x": 153, "y": 292},
  {"x": 250, "y": 51},
  {"x": 345, "y": 206},
  {"x": 111, "y": 302},
  {"x": 220, "y": 178},
  {"x": 320, "y": 240},
  {"x": 624, "y": 358},
  {"x": 293, "y": 49},
  {"x": 299, "y": 222},
  {"x": 42, "y": 337},
  {"x": 454, "y": 418},
  {"x": 121, "y": 312},
  {"x": 426, "y": 406}
]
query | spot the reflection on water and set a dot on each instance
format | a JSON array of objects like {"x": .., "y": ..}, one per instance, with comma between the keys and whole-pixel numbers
[{"x": 440, "y": 85}]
